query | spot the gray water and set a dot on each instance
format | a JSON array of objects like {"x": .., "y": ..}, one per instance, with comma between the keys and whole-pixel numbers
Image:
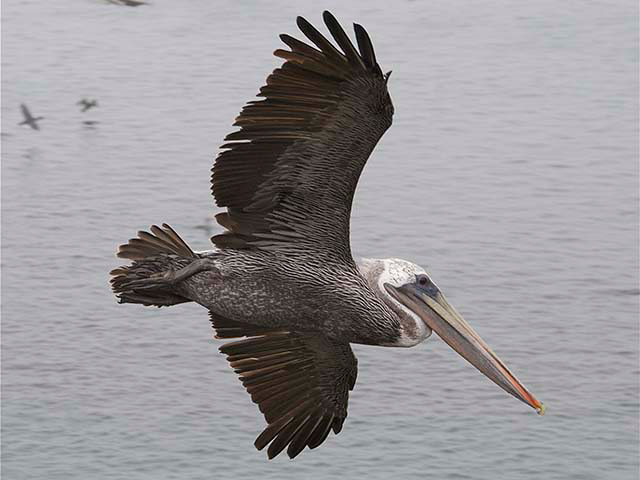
[{"x": 511, "y": 171}]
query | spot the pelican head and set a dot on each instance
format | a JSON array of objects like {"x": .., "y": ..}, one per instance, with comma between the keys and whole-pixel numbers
[{"x": 422, "y": 308}]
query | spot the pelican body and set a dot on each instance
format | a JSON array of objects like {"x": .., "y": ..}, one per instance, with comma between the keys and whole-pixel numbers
[{"x": 281, "y": 278}]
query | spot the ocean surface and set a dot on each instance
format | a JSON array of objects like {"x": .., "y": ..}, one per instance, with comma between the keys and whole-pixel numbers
[{"x": 511, "y": 172}]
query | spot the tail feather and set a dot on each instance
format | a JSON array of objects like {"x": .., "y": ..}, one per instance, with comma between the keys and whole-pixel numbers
[
  {"x": 154, "y": 255},
  {"x": 161, "y": 241}
]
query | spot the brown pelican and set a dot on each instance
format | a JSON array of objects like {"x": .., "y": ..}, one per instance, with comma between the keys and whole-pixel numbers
[
  {"x": 281, "y": 277},
  {"x": 87, "y": 104},
  {"x": 28, "y": 118}
]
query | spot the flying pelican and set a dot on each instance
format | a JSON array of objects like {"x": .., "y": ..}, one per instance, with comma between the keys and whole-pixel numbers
[
  {"x": 28, "y": 118},
  {"x": 281, "y": 277},
  {"x": 87, "y": 104}
]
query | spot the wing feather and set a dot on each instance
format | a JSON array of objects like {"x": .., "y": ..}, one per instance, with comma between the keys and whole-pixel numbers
[
  {"x": 320, "y": 41},
  {"x": 342, "y": 39},
  {"x": 288, "y": 175},
  {"x": 300, "y": 382},
  {"x": 366, "y": 48}
]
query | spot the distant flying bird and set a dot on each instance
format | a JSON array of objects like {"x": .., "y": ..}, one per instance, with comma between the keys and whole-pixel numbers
[
  {"x": 28, "y": 118},
  {"x": 128, "y": 3},
  {"x": 87, "y": 104},
  {"x": 281, "y": 277}
]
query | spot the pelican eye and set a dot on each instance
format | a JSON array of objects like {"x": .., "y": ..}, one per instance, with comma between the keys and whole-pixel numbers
[{"x": 422, "y": 280}]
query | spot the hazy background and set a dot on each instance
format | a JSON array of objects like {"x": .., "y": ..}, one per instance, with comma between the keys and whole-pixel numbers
[{"x": 511, "y": 171}]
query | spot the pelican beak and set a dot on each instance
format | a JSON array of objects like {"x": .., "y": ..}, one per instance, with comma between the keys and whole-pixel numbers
[{"x": 441, "y": 317}]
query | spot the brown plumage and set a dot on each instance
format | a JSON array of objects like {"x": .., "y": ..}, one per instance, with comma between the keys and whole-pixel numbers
[
  {"x": 284, "y": 192},
  {"x": 300, "y": 382},
  {"x": 282, "y": 278},
  {"x": 288, "y": 176},
  {"x": 287, "y": 179}
]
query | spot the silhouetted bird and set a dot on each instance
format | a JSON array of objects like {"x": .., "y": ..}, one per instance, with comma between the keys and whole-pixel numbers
[
  {"x": 87, "y": 104},
  {"x": 127, "y": 3},
  {"x": 28, "y": 118}
]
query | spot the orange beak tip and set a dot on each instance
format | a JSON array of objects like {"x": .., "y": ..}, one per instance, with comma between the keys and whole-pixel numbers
[{"x": 541, "y": 409}]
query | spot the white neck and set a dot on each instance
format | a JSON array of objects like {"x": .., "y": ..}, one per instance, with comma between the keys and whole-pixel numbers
[{"x": 395, "y": 272}]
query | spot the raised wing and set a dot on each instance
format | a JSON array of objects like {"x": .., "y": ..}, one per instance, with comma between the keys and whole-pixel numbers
[
  {"x": 25, "y": 111},
  {"x": 288, "y": 176},
  {"x": 300, "y": 382}
]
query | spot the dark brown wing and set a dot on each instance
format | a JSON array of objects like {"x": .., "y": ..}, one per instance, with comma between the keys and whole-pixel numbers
[
  {"x": 300, "y": 382},
  {"x": 288, "y": 176}
]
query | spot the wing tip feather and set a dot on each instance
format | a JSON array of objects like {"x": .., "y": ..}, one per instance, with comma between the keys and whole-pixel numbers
[{"x": 300, "y": 98}]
